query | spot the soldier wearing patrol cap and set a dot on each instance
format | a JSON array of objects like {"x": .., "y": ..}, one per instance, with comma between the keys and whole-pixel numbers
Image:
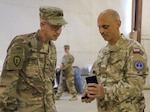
[
  {"x": 68, "y": 73},
  {"x": 29, "y": 67},
  {"x": 52, "y": 15},
  {"x": 121, "y": 69},
  {"x": 66, "y": 47}
]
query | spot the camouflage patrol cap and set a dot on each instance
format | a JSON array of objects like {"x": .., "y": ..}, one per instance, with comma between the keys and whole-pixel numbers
[
  {"x": 66, "y": 46},
  {"x": 53, "y": 15}
]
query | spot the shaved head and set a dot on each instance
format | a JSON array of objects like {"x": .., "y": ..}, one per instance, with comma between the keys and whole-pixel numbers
[
  {"x": 110, "y": 12},
  {"x": 109, "y": 23}
]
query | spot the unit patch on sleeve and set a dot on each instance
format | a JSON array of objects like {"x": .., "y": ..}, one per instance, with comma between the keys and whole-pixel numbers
[
  {"x": 139, "y": 65},
  {"x": 15, "y": 58}
]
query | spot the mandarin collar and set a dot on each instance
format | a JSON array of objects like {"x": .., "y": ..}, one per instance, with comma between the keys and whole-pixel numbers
[{"x": 117, "y": 45}]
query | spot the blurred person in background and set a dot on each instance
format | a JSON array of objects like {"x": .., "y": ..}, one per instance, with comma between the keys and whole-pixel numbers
[{"x": 67, "y": 73}]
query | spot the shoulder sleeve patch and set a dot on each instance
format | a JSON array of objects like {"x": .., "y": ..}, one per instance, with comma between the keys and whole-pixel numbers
[
  {"x": 139, "y": 64},
  {"x": 136, "y": 51},
  {"x": 15, "y": 58}
]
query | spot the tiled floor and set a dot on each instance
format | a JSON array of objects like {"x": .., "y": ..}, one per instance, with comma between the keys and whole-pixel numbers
[{"x": 64, "y": 105}]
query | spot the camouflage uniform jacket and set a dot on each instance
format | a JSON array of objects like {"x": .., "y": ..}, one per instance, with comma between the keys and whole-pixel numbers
[
  {"x": 28, "y": 74},
  {"x": 122, "y": 70},
  {"x": 67, "y": 62}
]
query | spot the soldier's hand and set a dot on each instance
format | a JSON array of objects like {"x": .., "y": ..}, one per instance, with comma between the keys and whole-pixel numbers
[
  {"x": 95, "y": 90},
  {"x": 85, "y": 98}
]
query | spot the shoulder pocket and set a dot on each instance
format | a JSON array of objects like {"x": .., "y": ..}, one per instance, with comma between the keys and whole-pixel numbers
[{"x": 15, "y": 58}]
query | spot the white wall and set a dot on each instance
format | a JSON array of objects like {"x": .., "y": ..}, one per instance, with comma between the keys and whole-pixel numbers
[{"x": 146, "y": 33}]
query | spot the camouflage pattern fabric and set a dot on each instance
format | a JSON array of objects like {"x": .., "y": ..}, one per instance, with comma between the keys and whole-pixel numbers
[
  {"x": 28, "y": 74},
  {"x": 53, "y": 15},
  {"x": 68, "y": 72},
  {"x": 122, "y": 70}
]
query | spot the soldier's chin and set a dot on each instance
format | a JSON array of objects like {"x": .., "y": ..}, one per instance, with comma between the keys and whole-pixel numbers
[
  {"x": 55, "y": 38},
  {"x": 105, "y": 38}
]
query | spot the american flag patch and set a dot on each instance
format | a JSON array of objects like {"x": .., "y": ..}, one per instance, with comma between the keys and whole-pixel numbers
[{"x": 136, "y": 51}]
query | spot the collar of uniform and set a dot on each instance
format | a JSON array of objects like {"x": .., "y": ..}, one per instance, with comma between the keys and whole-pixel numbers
[
  {"x": 39, "y": 38},
  {"x": 118, "y": 44}
]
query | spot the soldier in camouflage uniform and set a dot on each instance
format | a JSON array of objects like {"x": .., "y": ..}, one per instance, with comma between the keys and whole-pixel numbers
[
  {"x": 67, "y": 69},
  {"x": 121, "y": 69},
  {"x": 29, "y": 67}
]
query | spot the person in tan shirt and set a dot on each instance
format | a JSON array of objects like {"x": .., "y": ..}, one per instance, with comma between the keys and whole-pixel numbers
[
  {"x": 121, "y": 69},
  {"x": 68, "y": 74}
]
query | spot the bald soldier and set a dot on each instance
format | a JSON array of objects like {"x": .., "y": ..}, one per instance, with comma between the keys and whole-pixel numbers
[
  {"x": 29, "y": 68},
  {"x": 121, "y": 69},
  {"x": 68, "y": 74}
]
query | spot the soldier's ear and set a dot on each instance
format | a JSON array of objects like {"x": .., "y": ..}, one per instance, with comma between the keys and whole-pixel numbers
[
  {"x": 119, "y": 23},
  {"x": 42, "y": 24}
]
